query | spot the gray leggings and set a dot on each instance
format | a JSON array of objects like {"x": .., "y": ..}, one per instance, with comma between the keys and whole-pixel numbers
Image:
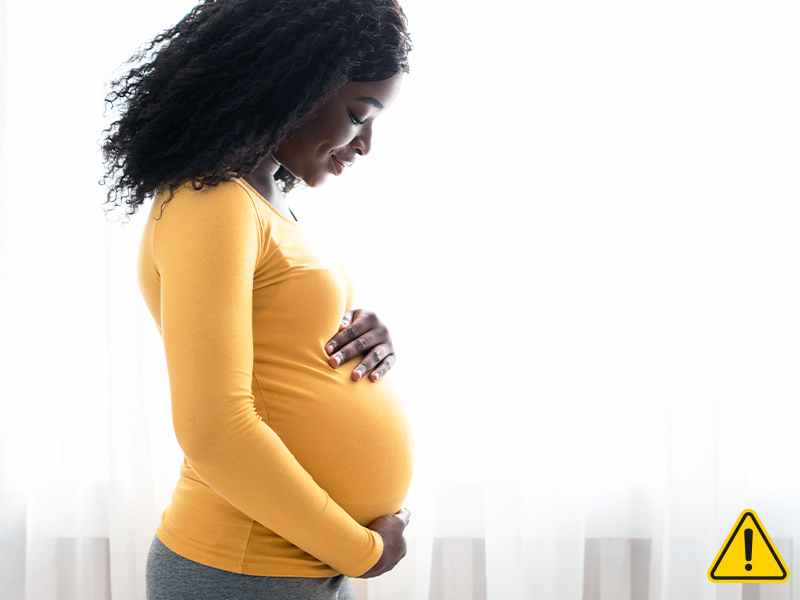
[{"x": 173, "y": 577}]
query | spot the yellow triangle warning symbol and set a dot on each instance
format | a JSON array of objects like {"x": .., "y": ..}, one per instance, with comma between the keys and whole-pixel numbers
[{"x": 748, "y": 554}]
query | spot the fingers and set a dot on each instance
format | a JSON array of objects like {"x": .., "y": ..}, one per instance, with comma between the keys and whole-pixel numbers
[
  {"x": 372, "y": 341},
  {"x": 379, "y": 356},
  {"x": 404, "y": 515},
  {"x": 346, "y": 319},
  {"x": 362, "y": 333},
  {"x": 385, "y": 365},
  {"x": 362, "y": 322}
]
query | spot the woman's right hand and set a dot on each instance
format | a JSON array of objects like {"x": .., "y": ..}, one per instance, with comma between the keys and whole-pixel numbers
[{"x": 390, "y": 528}]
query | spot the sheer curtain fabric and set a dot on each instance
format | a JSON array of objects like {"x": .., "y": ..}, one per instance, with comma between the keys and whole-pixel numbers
[{"x": 579, "y": 222}]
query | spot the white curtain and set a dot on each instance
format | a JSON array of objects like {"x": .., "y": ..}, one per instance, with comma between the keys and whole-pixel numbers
[{"x": 579, "y": 221}]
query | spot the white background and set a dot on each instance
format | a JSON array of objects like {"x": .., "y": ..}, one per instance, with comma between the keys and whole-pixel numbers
[{"x": 579, "y": 221}]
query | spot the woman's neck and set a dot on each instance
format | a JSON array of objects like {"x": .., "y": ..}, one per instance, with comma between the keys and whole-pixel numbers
[{"x": 262, "y": 178}]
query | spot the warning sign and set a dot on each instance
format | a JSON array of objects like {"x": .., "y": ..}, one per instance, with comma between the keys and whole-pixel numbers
[{"x": 748, "y": 554}]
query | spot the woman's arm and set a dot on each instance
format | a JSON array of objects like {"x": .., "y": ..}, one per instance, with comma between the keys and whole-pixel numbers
[{"x": 206, "y": 245}]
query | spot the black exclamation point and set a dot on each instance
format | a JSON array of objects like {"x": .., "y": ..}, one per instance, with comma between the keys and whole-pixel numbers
[{"x": 748, "y": 548}]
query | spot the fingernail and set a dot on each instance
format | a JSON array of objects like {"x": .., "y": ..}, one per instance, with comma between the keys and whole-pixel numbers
[
  {"x": 329, "y": 348},
  {"x": 359, "y": 373},
  {"x": 335, "y": 362},
  {"x": 377, "y": 376}
]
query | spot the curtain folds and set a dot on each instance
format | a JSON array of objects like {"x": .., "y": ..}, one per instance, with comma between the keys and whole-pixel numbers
[{"x": 579, "y": 222}]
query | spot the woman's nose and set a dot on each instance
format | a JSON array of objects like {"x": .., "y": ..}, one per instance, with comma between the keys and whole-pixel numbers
[{"x": 363, "y": 142}]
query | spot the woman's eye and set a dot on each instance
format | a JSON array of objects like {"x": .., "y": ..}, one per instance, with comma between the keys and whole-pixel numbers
[{"x": 354, "y": 119}]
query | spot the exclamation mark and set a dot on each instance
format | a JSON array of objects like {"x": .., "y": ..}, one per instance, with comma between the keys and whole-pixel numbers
[{"x": 748, "y": 548}]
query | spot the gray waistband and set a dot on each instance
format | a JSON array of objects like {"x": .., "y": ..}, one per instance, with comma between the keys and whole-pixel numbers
[{"x": 173, "y": 577}]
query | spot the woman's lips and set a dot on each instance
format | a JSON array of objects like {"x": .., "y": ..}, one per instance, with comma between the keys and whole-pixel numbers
[{"x": 338, "y": 165}]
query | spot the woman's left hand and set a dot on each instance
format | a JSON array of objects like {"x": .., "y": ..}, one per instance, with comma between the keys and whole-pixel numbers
[{"x": 361, "y": 332}]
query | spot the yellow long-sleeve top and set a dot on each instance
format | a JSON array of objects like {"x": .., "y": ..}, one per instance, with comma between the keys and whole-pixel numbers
[{"x": 286, "y": 458}]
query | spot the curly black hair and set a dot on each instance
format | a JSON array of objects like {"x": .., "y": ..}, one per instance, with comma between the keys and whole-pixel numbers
[{"x": 207, "y": 99}]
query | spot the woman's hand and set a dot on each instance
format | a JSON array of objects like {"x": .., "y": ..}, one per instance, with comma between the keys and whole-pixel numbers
[
  {"x": 361, "y": 332},
  {"x": 390, "y": 528}
]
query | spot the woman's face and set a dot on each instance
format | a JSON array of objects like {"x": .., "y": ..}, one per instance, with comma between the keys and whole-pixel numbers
[{"x": 338, "y": 132}]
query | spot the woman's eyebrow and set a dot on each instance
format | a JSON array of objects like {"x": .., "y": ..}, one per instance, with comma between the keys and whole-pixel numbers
[{"x": 371, "y": 100}]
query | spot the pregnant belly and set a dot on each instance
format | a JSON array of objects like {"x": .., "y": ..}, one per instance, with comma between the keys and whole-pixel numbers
[{"x": 353, "y": 438}]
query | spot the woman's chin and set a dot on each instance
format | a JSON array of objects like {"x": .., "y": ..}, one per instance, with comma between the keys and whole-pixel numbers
[{"x": 317, "y": 180}]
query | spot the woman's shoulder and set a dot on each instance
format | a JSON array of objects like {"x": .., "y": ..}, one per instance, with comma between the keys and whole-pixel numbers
[
  {"x": 192, "y": 191},
  {"x": 225, "y": 209},
  {"x": 226, "y": 197}
]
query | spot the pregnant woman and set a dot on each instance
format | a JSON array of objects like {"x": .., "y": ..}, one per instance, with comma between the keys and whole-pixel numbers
[{"x": 296, "y": 466}]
